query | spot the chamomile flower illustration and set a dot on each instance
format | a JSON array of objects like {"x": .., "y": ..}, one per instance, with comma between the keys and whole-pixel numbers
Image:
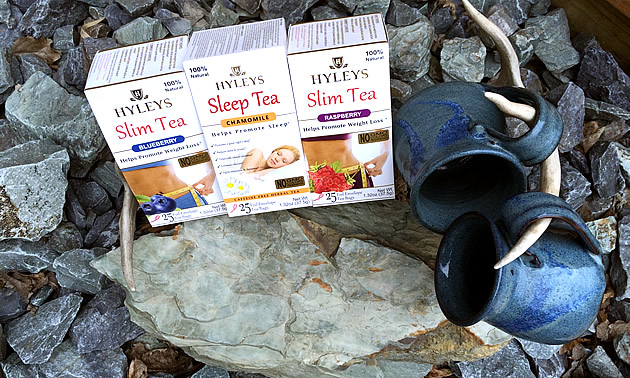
[{"x": 234, "y": 187}]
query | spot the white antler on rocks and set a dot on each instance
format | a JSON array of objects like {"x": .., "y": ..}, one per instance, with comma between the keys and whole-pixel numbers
[
  {"x": 510, "y": 74},
  {"x": 126, "y": 229},
  {"x": 550, "y": 168}
]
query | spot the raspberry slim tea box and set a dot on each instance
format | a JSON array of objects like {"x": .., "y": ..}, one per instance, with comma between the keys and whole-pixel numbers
[
  {"x": 340, "y": 74},
  {"x": 241, "y": 88},
  {"x": 143, "y": 105}
]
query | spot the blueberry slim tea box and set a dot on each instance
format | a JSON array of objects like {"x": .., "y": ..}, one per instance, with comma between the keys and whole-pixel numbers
[
  {"x": 340, "y": 74},
  {"x": 143, "y": 105},
  {"x": 240, "y": 83}
]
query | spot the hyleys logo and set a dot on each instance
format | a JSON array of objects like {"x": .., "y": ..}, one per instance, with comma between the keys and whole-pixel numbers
[
  {"x": 240, "y": 80},
  {"x": 339, "y": 76},
  {"x": 137, "y": 95},
  {"x": 338, "y": 63},
  {"x": 138, "y": 108},
  {"x": 236, "y": 71}
]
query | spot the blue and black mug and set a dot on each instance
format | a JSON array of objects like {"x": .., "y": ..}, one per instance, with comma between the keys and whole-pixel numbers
[
  {"x": 452, "y": 148},
  {"x": 549, "y": 295}
]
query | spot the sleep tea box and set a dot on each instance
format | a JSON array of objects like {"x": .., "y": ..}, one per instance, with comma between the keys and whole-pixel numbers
[
  {"x": 340, "y": 74},
  {"x": 240, "y": 83},
  {"x": 143, "y": 105}
]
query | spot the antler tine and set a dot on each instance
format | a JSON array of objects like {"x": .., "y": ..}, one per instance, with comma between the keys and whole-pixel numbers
[
  {"x": 127, "y": 227},
  {"x": 510, "y": 74},
  {"x": 513, "y": 109},
  {"x": 550, "y": 168},
  {"x": 549, "y": 181}
]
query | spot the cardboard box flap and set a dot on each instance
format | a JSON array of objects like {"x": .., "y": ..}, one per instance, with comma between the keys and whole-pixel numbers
[
  {"x": 335, "y": 33},
  {"x": 141, "y": 60},
  {"x": 237, "y": 38}
]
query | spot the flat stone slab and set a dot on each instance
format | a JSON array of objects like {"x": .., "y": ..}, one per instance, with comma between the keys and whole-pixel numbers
[
  {"x": 43, "y": 17},
  {"x": 10, "y": 136},
  {"x": 620, "y": 269},
  {"x": 65, "y": 237},
  {"x": 509, "y": 362},
  {"x": 13, "y": 305},
  {"x": 136, "y": 7},
  {"x": 32, "y": 189},
  {"x": 463, "y": 59},
  {"x": 605, "y": 231},
  {"x": 409, "y": 49},
  {"x": 569, "y": 101},
  {"x": 103, "y": 324},
  {"x": 622, "y": 347},
  {"x": 600, "y": 364},
  {"x": 256, "y": 294},
  {"x": 67, "y": 362},
  {"x": 140, "y": 30},
  {"x": 47, "y": 110},
  {"x": 553, "y": 45},
  {"x": 24, "y": 256},
  {"x": 293, "y": 11},
  {"x": 211, "y": 372},
  {"x": 33, "y": 337},
  {"x": 3, "y": 345},
  {"x": 74, "y": 271},
  {"x": 13, "y": 367},
  {"x": 396, "y": 227}
]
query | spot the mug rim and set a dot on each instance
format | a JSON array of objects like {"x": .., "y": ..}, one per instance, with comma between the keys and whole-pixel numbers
[
  {"x": 548, "y": 207},
  {"x": 463, "y": 148},
  {"x": 498, "y": 273}
]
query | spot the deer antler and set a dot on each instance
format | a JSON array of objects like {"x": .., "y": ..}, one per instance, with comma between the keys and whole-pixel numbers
[
  {"x": 127, "y": 227},
  {"x": 550, "y": 168}
]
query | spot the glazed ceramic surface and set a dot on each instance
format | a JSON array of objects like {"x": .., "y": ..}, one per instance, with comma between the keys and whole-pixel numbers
[
  {"x": 450, "y": 146},
  {"x": 550, "y": 296}
]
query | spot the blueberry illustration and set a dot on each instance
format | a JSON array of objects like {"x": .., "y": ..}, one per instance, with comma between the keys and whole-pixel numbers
[
  {"x": 148, "y": 208},
  {"x": 163, "y": 204}
]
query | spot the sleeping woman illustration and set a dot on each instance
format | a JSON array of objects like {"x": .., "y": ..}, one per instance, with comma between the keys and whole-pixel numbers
[
  {"x": 256, "y": 163},
  {"x": 159, "y": 190},
  {"x": 255, "y": 167}
]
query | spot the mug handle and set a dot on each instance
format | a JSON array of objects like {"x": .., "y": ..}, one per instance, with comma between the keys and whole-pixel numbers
[
  {"x": 523, "y": 209},
  {"x": 542, "y": 139}
]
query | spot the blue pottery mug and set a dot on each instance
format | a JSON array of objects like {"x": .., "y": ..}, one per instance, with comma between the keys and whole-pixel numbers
[
  {"x": 451, "y": 147},
  {"x": 550, "y": 295}
]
